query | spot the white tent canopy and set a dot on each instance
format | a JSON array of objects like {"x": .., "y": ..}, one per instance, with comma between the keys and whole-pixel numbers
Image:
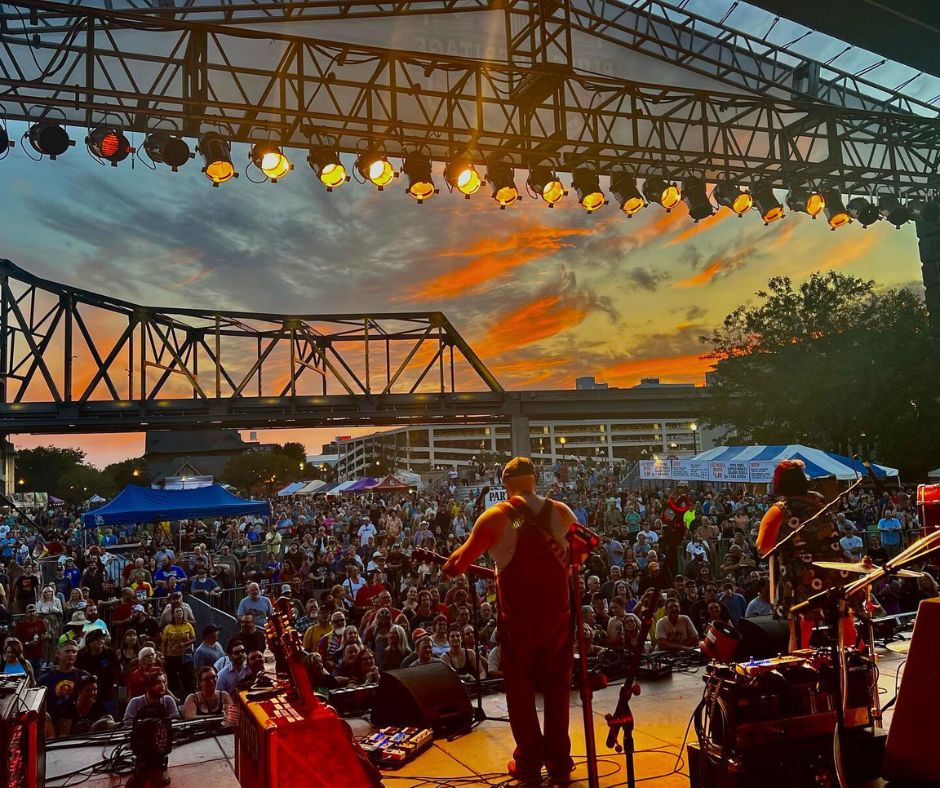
[
  {"x": 934, "y": 474},
  {"x": 819, "y": 463},
  {"x": 310, "y": 487}
]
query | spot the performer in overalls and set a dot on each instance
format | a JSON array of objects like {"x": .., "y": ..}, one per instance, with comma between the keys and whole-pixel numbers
[{"x": 526, "y": 538}]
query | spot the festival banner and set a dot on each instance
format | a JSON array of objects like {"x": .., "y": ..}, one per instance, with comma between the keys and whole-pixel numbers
[
  {"x": 736, "y": 471},
  {"x": 662, "y": 469},
  {"x": 698, "y": 470},
  {"x": 495, "y": 496},
  {"x": 682, "y": 470},
  {"x": 762, "y": 471},
  {"x": 646, "y": 469},
  {"x": 717, "y": 471}
]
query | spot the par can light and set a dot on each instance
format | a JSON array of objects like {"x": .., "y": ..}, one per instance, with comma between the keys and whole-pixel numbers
[
  {"x": 108, "y": 144},
  {"x": 49, "y": 139}
]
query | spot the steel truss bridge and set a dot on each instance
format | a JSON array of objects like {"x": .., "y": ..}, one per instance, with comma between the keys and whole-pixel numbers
[
  {"x": 251, "y": 70},
  {"x": 76, "y": 361}
]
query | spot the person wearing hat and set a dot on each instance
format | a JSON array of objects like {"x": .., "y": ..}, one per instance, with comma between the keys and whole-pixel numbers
[
  {"x": 32, "y": 633},
  {"x": 74, "y": 630},
  {"x": 526, "y": 538}
]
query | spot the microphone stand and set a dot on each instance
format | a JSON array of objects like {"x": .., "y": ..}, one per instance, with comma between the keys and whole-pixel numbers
[
  {"x": 585, "y": 539},
  {"x": 479, "y": 714}
]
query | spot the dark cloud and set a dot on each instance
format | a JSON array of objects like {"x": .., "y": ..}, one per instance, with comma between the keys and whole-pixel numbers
[
  {"x": 695, "y": 312},
  {"x": 644, "y": 279}
]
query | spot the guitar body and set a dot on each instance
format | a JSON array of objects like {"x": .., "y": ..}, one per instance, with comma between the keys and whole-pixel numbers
[{"x": 286, "y": 733}]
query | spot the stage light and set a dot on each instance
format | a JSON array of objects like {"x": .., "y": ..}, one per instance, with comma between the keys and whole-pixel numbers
[
  {"x": 164, "y": 148},
  {"x": 328, "y": 168},
  {"x": 695, "y": 194},
  {"x": 805, "y": 200},
  {"x": 661, "y": 192},
  {"x": 623, "y": 187},
  {"x": 587, "y": 186},
  {"x": 863, "y": 211},
  {"x": 543, "y": 182},
  {"x": 501, "y": 176},
  {"x": 5, "y": 143},
  {"x": 891, "y": 209},
  {"x": 730, "y": 195},
  {"x": 49, "y": 139},
  {"x": 836, "y": 214},
  {"x": 109, "y": 144},
  {"x": 217, "y": 154},
  {"x": 766, "y": 202},
  {"x": 460, "y": 174},
  {"x": 417, "y": 168},
  {"x": 924, "y": 210},
  {"x": 268, "y": 157},
  {"x": 374, "y": 166}
]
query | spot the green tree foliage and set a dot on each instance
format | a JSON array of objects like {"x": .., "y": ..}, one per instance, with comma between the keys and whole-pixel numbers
[
  {"x": 79, "y": 483},
  {"x": 833, "y": 363},
  {"x": 42, "y": 468},
  {"x": 130, "y": 471},
  {"x": 261, "y": 471}
]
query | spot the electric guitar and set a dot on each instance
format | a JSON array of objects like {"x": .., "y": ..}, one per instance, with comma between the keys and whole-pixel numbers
[{"x": 430, "y": 557}]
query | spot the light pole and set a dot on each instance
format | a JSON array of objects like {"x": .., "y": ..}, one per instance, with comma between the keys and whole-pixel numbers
[
  {"x": 562, "y": 440},
  {"x": 694, "y": 427}
]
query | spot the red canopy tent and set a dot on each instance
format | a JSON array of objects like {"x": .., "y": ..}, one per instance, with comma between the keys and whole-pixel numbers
[{"x": 390, "y": 484}]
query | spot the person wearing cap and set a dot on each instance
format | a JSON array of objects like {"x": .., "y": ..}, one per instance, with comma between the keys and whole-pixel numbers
[
  {"x": 851, "y": 543},
  {"x": 423, "y": 653},
  {"x": 85, "y": 712},
  {"x": 209, "y": 651},
  {"x": 60, "y": 681},
  {"x": 101, "y": 661},
  {"x": 176, "y": 601},
  {"x": 32, "y": 632},
  {"x": 526, "y": 538},
  {"x": 144, "y": 624}
]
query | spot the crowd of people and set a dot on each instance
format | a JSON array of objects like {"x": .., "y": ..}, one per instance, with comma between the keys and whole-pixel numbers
[{"x": 107, "y": 629}]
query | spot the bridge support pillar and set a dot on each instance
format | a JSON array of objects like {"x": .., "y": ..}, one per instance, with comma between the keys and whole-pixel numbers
[
  {"x": 928, "y": 236},
  {"x": 7, "y": 467},
  {"x": 519, "y": 442}
]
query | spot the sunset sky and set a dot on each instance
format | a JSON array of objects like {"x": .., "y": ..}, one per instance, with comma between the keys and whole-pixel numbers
[{"x": 542, "y": 295}]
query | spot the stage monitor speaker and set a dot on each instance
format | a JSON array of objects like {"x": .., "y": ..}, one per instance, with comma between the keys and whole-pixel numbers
[
  {"x": 910, "y": 757},
  {"x": 762, "y": 637},
  {"x": 423, "y": 696}
]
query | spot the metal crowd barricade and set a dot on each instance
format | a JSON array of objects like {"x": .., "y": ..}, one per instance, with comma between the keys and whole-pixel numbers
[{"x": 206, "y": 614}]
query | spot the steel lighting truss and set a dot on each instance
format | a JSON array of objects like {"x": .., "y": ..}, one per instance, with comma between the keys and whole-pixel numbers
[
  {"x": 70, "y": 346},
  {"x": 661, "y": 29},
  {"x": 248, "y": 84}
]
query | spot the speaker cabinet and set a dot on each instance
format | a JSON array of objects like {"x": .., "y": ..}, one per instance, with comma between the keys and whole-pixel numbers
[
  {"x": 762, "y": 637},
  {"x": 423, "y": 696},
  {"x": 911, "y": 755}
]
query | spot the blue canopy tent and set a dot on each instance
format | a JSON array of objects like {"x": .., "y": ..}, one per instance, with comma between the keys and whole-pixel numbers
[
  {"x": 819, "y": 463},
  {"x": 145, "y": 505}
]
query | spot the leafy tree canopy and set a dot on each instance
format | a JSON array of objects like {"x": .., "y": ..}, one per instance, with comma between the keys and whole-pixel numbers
[{"x": 834, "y": 363}]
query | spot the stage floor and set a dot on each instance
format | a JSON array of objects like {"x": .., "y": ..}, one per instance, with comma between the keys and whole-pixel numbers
[{"x": 662, "y": 712}]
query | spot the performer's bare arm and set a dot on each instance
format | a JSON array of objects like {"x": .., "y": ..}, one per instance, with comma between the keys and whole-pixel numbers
[
  {"x": 770, "y": 529},
  {"x": 484, "y": 535}
]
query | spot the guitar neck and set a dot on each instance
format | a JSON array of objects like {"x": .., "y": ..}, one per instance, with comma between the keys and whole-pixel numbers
[{"x": 431, "y": 557}]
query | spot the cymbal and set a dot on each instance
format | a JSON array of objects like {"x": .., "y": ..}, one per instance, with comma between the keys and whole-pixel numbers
[
  {"x": 900, "y": 646},
  {"x": 861, "y": 568}
]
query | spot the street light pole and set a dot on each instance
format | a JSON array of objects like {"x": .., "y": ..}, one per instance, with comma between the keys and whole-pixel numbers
[{"x": 694, "y": 427}]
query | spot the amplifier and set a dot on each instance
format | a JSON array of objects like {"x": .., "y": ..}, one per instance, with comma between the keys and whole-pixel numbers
[
  {"x": 352, "y": 700},
  {"x": 278, "y": 740},
  {"x": 22, "y": 733}
]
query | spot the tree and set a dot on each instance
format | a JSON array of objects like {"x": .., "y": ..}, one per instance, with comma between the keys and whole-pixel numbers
[
  {"x": 257, "y": 471},
  {"x": 79, "y": 483},
  {"x": 131, "y": 471},
  {"x": 834, "y": 363},
  {"x": 42, "y": 468}
]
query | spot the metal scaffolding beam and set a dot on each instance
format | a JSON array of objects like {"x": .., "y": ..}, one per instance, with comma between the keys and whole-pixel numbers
[
  {"x": 251, "y": 85},
  {"x": 661, "y": 29}
]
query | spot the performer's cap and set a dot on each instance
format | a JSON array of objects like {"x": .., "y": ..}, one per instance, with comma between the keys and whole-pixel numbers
[{"x": 518, "y": 466}]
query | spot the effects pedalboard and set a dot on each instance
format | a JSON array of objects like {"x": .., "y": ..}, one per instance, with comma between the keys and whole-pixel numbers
[{"x": 392, "y": 747}]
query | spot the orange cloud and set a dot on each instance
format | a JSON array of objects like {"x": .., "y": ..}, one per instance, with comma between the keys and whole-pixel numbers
[
  {"x": 694, "y": 229},
  {"x": 703, "y": 277},
  {"x": 542, "y": 318},
  {"x": 782, "y": 236},
  {"x": 532, "y": 372},
  {"x": 675, "y": 369},
  {"x": 490, "y": 258},
  {"x": 846, "y": 251}
]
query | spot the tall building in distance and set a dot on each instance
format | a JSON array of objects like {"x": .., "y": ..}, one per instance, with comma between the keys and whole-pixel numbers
[{"x": 601, "y": 440}]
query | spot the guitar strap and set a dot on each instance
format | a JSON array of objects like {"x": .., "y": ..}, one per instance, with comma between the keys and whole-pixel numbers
[{"x": 516, "y": 509}]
